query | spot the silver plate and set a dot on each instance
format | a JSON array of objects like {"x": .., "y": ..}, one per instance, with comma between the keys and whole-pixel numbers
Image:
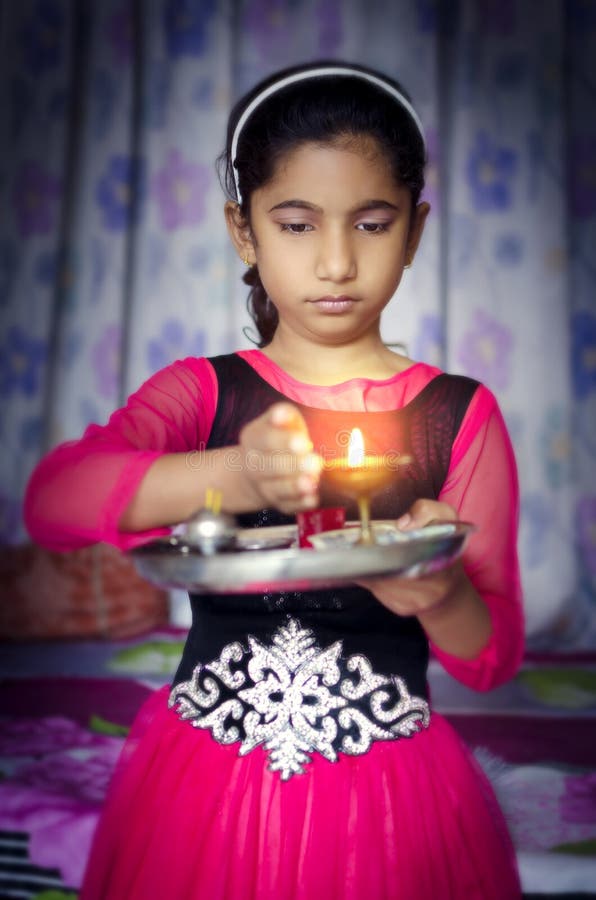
[{"x": 169, "y": 563}]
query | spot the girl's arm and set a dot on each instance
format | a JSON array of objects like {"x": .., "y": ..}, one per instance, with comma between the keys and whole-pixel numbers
[
  {"x": 472, "y": 613},
  {"x": 148, "y": 468},
  {"x": 79, "y": 493}
]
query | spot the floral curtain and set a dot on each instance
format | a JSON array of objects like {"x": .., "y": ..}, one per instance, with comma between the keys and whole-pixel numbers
[{"x": 114, "y": 258}]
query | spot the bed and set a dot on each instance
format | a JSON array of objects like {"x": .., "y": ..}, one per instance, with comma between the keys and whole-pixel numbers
[{"x": 66, "y": 706}]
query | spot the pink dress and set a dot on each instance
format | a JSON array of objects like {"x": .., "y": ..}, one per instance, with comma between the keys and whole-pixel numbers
[{"x": 194, "y": 813}]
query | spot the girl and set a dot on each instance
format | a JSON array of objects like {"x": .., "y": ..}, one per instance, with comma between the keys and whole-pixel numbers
[{"x": 300, "y": 779}]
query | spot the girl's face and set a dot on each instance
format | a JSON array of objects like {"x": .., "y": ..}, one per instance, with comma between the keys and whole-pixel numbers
[{"x": 330, "y": 234}]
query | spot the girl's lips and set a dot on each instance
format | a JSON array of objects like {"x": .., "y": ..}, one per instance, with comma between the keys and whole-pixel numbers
[{"x": 335, "y": 304}]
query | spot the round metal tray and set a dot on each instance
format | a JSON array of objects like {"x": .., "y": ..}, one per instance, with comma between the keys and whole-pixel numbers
[{"x": 170, "y": 563}]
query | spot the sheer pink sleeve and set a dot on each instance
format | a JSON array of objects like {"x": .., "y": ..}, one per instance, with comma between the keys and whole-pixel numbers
[
  {"x": 77, "y": 494},
  {"x": 482, "y": 486}
]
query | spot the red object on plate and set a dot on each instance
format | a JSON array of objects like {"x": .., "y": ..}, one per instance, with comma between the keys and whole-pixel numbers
[{"x": 317, "y": 520}]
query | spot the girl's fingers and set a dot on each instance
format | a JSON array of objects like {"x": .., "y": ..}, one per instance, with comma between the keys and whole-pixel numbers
[{"x": 423, "y": 512}]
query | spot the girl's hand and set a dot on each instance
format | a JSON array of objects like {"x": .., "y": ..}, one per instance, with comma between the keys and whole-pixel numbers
[
  {"x": 417, "y": 596},
  {"x": 281, "y": 469}
]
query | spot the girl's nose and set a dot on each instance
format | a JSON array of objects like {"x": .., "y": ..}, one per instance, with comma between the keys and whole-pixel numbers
[{"x": 335, "y": 260}]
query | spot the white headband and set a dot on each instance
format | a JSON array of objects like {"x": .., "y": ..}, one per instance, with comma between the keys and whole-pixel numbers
[{"x": 302, "y": 76}]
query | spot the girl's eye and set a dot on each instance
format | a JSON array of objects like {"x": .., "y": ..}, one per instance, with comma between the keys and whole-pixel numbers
[
  {"x": 296, "y": 227},
  {"x": 373, "y": 227}
]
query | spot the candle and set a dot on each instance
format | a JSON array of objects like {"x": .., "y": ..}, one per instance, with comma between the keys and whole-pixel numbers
[{"x": 359, "y": 476}]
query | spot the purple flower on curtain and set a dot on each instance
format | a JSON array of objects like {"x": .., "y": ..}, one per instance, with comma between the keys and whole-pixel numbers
[
  {"x": 490, "y": 169},
  {"x": 555, "y": 447},
  {"x": 8, "y": 270},
  {"x": 173, "y": 343},
  {"x": 120, "y": 35},
  {"x": 270, "y": 25},
  {"x": 586, "y": 531},
  {"x": 21, "y": 360},
  {"x": 35, "y": 199},
  {"x": 578, "y": 802},
  {"x": 180, "y": 187},
  {"x": 106, "y": 361},
  {"x": 429, "y": 340},
  {"x": 185, "y": 26},
  {"x": 485, "y": 350},
  {"x": 42, "y": 36},
  {"x": 120, "y": 191},
  {"x": 508, "y": 249},
  {"x": 582, "y": 176},
  {"x": 583, "y": 352}
]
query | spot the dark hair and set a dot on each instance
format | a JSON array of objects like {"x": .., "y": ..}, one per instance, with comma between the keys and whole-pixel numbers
[{"x": 321, "y": 110}]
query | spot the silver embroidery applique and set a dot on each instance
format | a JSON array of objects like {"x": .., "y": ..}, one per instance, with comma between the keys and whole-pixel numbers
[{"x": 294, "y": 698}]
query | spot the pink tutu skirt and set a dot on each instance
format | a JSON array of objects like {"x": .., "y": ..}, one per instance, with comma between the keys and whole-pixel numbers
[{"x": 189, "y": 819}]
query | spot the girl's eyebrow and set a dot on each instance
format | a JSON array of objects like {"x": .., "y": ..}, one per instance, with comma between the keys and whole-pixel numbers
[{"x": 362, "y": 207}]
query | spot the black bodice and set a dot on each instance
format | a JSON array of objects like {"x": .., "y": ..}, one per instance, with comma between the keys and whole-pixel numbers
[{"x": 423, "y": 433}]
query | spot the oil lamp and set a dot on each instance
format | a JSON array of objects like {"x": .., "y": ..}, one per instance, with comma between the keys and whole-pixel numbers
[{"x": 360, "y": 477}]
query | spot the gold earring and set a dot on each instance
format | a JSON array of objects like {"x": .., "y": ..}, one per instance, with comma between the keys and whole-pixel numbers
[{"x": 245, "y": 260}]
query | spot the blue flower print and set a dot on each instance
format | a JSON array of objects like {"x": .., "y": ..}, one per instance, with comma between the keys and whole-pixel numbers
[
  {"x": 41, "y": 37},
  {"x": 180, "y": 188},
  {"x": 490, "y": 169},
  {"x": 21, "y": 361},
  {"x": 174, "y": 343},
  {"x": 120, "y": 192},
  {"x": 185, "y": 25},
  {"x": 583, "y": 353},
  {"x": 508, "y": 249}
]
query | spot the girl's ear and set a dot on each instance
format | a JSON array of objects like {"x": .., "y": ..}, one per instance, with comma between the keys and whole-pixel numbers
[
  {"x": 416, "y": 228},
  {"x": 239, "y": 231}
]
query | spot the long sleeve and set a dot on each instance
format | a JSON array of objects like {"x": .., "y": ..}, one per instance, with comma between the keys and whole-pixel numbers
[
  {"x": 482, "y": 486},
  {"x": 78, "y": 493}
]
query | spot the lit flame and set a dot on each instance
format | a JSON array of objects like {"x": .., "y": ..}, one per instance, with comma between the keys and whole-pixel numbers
[{"x": 356, "y": 448}]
